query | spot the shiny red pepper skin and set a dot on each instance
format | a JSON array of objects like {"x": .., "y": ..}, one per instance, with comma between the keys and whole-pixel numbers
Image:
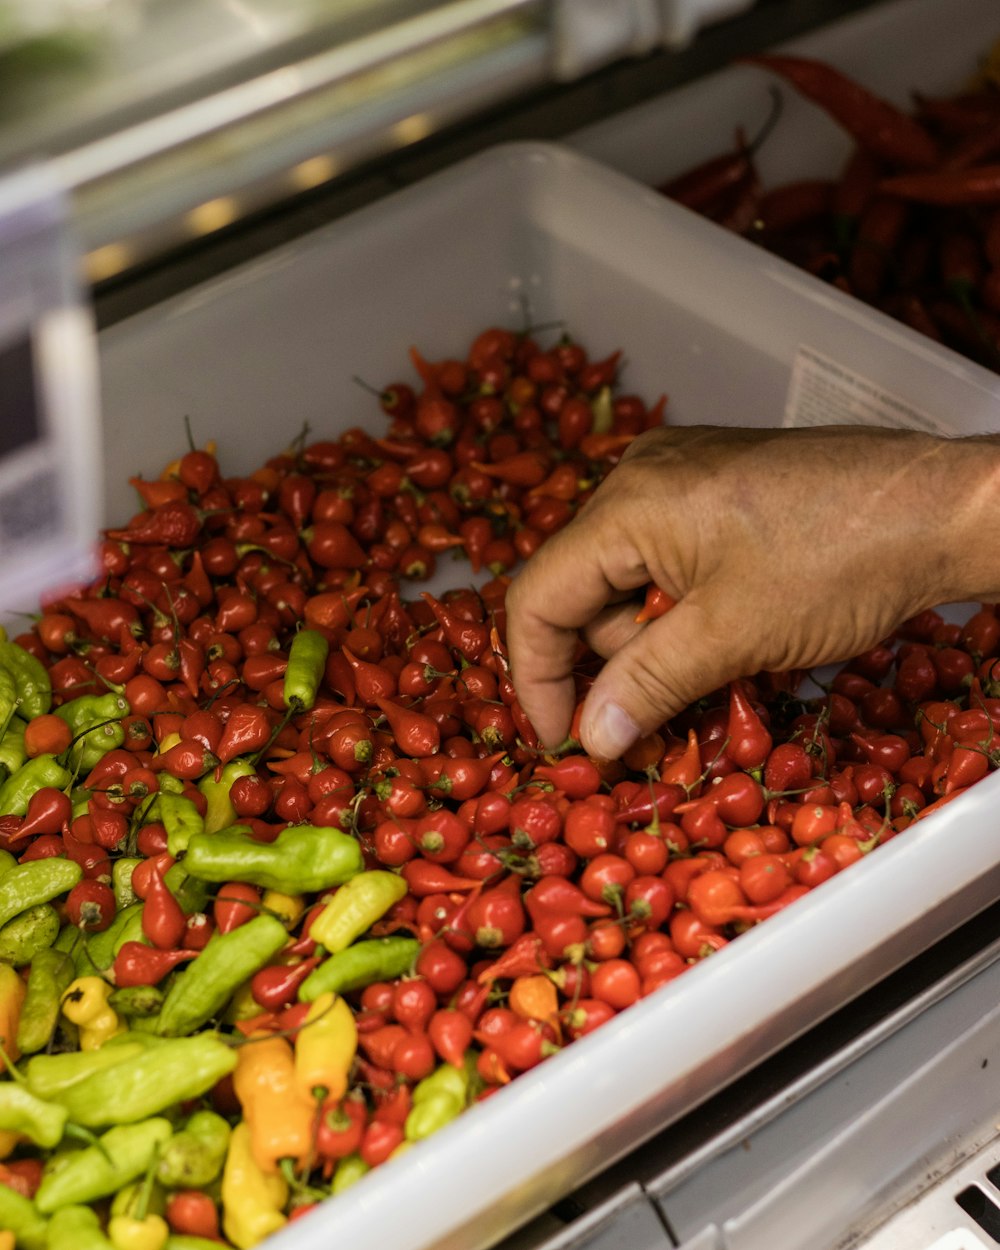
[
  {"x": 873, "y": 123},
  {"x": 138, "y": 964}
]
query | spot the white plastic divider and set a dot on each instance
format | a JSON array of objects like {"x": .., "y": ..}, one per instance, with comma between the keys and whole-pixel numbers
[{"x": 718, "y": 325}]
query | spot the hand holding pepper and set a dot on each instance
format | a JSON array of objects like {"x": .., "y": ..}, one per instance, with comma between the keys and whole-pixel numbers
[{"x": 784, "y": 549}]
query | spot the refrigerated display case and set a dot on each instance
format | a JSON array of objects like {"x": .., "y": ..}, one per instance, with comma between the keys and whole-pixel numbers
[{"x": 828, "y": 1080}]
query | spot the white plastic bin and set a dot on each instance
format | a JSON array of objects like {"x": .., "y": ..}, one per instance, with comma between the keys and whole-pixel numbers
[{"x": 720, "y": 327}]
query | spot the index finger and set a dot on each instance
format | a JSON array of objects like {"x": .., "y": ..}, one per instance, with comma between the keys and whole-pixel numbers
[{"x": 562, "y": 588}]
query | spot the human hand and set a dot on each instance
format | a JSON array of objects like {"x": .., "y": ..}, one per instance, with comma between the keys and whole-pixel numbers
[{"x": 784, "y": 548}]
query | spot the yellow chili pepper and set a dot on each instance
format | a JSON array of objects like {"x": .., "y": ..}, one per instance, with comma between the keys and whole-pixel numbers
[
  {"x": 252, "y": 1200},
  {"x": 287, "y": 907},
  {"x": 125, "y": 1232},
  {"x": 325, "y": 1049},
  {"x": 85, "y": 1003},
  {"x": 12, "y": 991},
  {"x": 8, "y": 1140},
  {"x": 279, "y": 1117},
  {"x": 355, "y": 908},
  {"x": 6, "y": 1239}
]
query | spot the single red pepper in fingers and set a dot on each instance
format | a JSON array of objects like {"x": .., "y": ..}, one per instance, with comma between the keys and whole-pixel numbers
[
  {"x": 656, "y": 603},
  {"x": 872, "y": 122}
]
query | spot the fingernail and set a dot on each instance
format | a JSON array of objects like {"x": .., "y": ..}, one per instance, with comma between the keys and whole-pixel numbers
[{"x": 610, "y": 732}]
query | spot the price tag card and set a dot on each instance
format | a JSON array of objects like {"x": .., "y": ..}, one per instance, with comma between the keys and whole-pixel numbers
[{"x": 50, "y": 475}]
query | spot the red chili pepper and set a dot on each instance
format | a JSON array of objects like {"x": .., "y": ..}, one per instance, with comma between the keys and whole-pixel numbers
[
  {"x": 879, "y": 230},
  {"x": 470, "y": 638},
  {"x": 749, "y": 741},
  {"x": 138, "y": 964},
  {"x": 577, "y": 776},
  {"x": 106, "y": 618},
  {"x": 341, "y": 1125},
  {"x": 416, "y": 735},
  {"x": 556, "y": 895},
  {"x": 424, "y": 878},
  {"x": 247, "y": 730},
  {"x": 163, "y": 920},
  {"x": 49, "y": 811},
  {"x": 872, "y": 122},
  {"x": 980, "y": 185},
  {"x": 22, "y": 1175},
  {"x": 795, "y": 204},
  {"x": 699, "y": 187},
  {"x": 656, "y": 603},
  {"x": 175, "y": 524},
  {"x": 109, "y": 828},
  {"x": 275, "y": 986},
  {"x": 187, "y": 760},
  {"x": 525, "y": 956}
]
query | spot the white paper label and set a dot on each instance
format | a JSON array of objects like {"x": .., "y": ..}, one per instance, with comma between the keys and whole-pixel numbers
[{"x": 823, "y": 392}]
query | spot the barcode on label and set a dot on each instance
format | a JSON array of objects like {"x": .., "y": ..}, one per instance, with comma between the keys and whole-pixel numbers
[{"x": 31, "y": 508}]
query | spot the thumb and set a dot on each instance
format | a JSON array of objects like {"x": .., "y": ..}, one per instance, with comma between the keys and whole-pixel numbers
[{"x": 663, "y": 669}]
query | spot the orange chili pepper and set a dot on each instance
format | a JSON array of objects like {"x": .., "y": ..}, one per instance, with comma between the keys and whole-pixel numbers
[{"x": 279, "y": 1116}]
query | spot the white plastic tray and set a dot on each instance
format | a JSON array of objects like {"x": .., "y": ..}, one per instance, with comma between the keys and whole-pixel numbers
[{"x": 716, "y": 324}]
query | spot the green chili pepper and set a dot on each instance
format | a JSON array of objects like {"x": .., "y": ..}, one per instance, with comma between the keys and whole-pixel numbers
[
  {"x": 122, "y": 1154},
  {"x": 76, "y": 1228},
  {"x": 194, "y": 1156},
  {"x": 355, "y": 908},
  {"x": 22, "y": 1112},
  {"x": 31, "y": 678},
  {"x": 51, "y": 973},
  {"x": 12, "y": 752},
  {"x": 169, "y": 784},
  {"x": 189, "y": 891},
  {"x": 50, "y": 1076},
  {"x": 72, "y": 941},
  {"x": 229, "y": 959},
  {"x": 87, "y": 752},
  {"x": 303, "y": 858},
  {"x": 349, "y": 1171},
  {"x": 7, "y": 862},
  {"x": 137, "y": 1000},
  {"x": 140, "y": 1195},
  {"x": 90, "y": 710},
  {"x": 379, "y": 959},
  {"x": 150, "y": 1082},
  {"x": 20, "y": 1216},
  {"x": 220, "y": 811},
  {"x": 23, "y": 937},
  {"x": 126, "y": 927},
  {"x": 8, "y": 695},
  {"x": 178, "y": 1241},
  {"x": 439, "y": 1098},
  {"x": 121, "y": 881},
  {"x": 16, "y": 791},
  {"x": 37, "y": 881},
  {"x": 182, "y": 821},
  {"x": 306, "y": 665}
]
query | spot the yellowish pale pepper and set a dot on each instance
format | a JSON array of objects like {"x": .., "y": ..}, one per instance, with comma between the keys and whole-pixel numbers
[
  {"x": 279, "y": 1117},
  {"x": 12, "y": 991},
  {"x": 325, "y": 1048},
  {"x": 126, "y": 1232},
  {"x": 287, "y": 907},
  {"x": 355, "y": 907},
  {"x": 6, "y": 1239},
  {"x": 252, "y": 1200},
  {"x": 85, "y": 1004}
]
